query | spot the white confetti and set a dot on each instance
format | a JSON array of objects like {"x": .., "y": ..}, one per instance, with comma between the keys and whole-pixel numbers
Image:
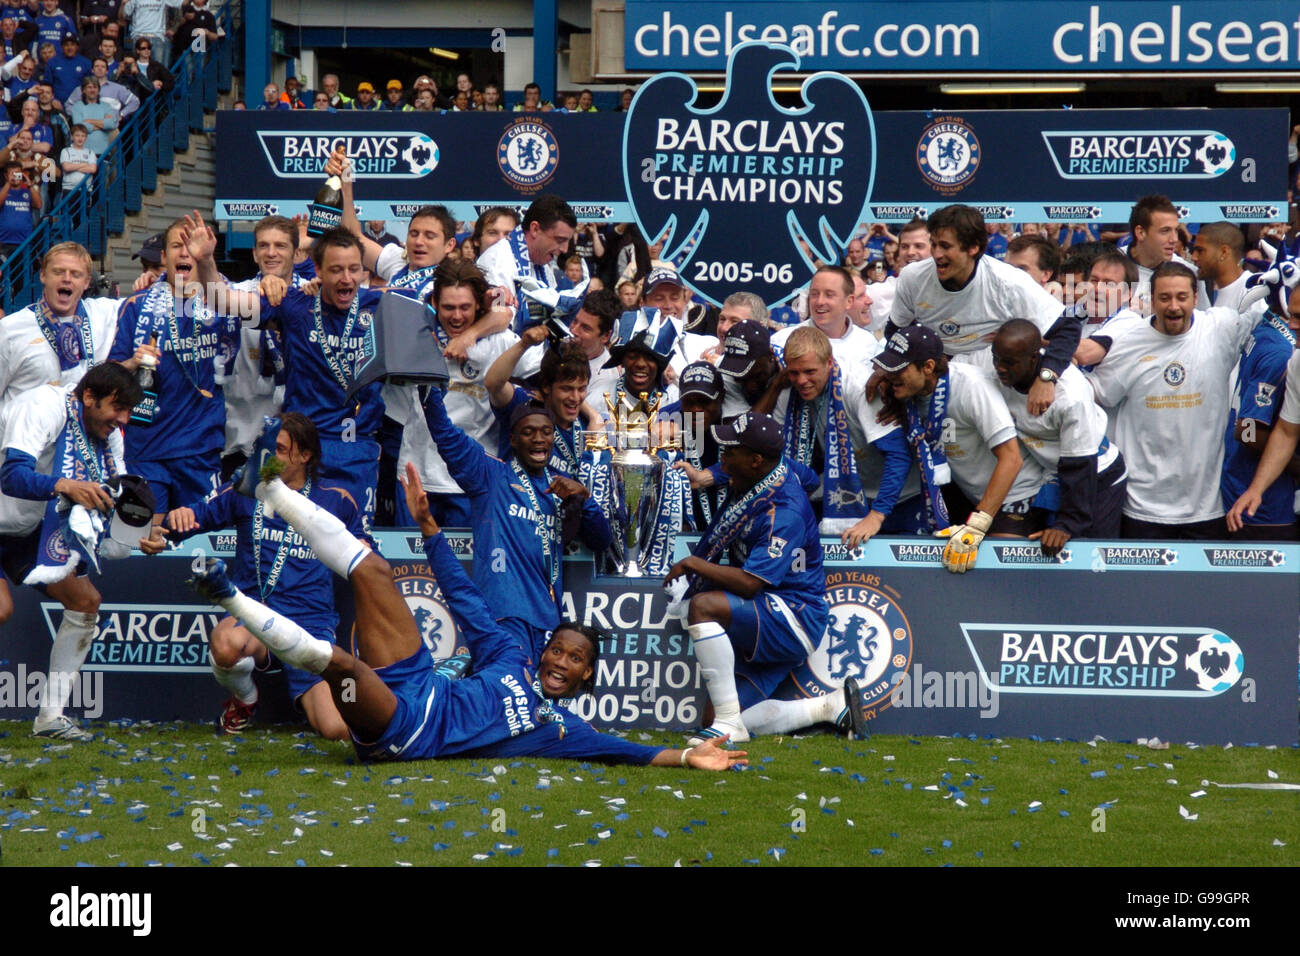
[
  {"x": 1196, "y": 793},
  {"x": 326, "y": 852},
  {"x": 1035, "y": 803},
  {"x": 1277, "y": 842},
  {"x": 1187, "y": 814},
  {"x": 801, "y": 796},
  {"x": 961, "y": 803},
  {"x": 175, "y": 846},
  {"x": 1272, "y": 774}
]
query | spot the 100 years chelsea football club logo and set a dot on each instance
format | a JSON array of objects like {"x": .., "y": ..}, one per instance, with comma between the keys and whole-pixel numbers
[
  {"x": 528, "y": 154},
  {"x": 420, "y": 591},
  {"x": 867, "y": 638},
  {"x": 948, "y": 154}
]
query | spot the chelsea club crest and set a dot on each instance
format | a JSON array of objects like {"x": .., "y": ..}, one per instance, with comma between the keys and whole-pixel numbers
[
  {"x": 867, "y": 638},
  {"x": 948, "y": 154},
  {"x": 528, "y": 154}
]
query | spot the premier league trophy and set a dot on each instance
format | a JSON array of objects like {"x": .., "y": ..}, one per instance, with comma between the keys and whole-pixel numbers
[{"x": 643, "y": 540}]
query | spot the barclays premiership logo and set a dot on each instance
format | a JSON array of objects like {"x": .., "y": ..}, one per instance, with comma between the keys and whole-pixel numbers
[
  {"x": 406, "y": 154},
  {"x": 1137, "y": 154},
  {"x": 1072, "y": 660},
  {"x": 747, "y": 193}
]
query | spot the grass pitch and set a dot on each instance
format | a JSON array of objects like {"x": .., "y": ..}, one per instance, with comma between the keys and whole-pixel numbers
[{"x": 175, "y": 794}]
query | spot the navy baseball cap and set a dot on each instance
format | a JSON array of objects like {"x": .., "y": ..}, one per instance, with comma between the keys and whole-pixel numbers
[
  {"x": 150, "y": 252},
  {"x": 746, "y": 342},
  {"x": 527, "y": 410},
  {"x": 661, "y": 275},
  {"x": 754, "y": 431},
  {"x": 700, "y": 378},
  {"x": 910, "y": 345}
]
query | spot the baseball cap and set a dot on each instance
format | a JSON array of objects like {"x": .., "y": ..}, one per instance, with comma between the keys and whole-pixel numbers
[
  {"x": 526, "y": 409},
  {"x": 754, "y": 431},
  {"x": 133, "y": 509},
  {"x": 150, "y": 251},
  {"x": 700, "y": 378},
  {"x": 364, "y": 87},
  {"x": 661, "y": 275},
  {"x": 744, "y": 344},
  {"x": 394, "y": 85},
  {"x": 912, "y": 344}
]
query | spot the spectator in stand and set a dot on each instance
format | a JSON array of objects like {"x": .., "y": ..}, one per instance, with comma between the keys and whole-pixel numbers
[
  {"x": 142, "y": 74},
  {"x": 625, "y": 100},
  {"x": 292, "y": 95},
  {"x": 77, "y": 161},
  {"x": 110, "y": 48},
  {"x": 426, "y": 82},
  {"x": 461, "y": 103},
  {"x": 271, "y": 98},
  {"x": 1035, "y": 256},
  {"x": 66, "y": 71},
  {"x": 19, "y": 74},
  {"x": 586, "y": 102},
  {"x": 393, "y": 101},
  {"x": 890, "y": 255},
  {"x": 365, "y": 97},
  {"x": 30, "y": 120},
  {"x": 330, "y": 84},
  {"x": 115, "y": 94},
  {"x": 570, "y": 102},
  {"x": 96, "y": 16},
  {"x": 98, "y": 117},
  {"x": 13, "y": 40},
  {"x": 532, "y": 99},
  {"x": 492, "y": 98},
  {"x": 464, "y": 84},
  {"x": 197, "y": 19},
  {"x": 52, "y": 24},
  {"x": 44, "y": 54},
  {"x": 18, "y": 203},
  {"x": 424, "y": 101},
  {"x": 374, "y": 229},
  {"x": 321, "y": 101},
  {"x": 52, "y": 115},
  {"x": 148, "y": 20}
]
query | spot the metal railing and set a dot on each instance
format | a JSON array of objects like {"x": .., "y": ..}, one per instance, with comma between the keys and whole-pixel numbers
[{"x": 146, "y": 145}]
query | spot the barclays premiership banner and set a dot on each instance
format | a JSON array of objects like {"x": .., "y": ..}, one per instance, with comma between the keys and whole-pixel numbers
[{"x": 1187, "y": 642}]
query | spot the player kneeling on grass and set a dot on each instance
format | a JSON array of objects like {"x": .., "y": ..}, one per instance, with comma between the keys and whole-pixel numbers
[
  {"x": 395, "y": 705},
  {"x": 278, "y": 566}
]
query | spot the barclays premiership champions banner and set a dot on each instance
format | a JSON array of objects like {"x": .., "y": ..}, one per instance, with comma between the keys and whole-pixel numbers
[
  {"x": 794, "y": 182},
  {"x": 1189, "y": 642}
]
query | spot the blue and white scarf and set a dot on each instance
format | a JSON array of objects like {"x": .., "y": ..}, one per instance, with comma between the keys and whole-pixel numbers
[
  {"x": 926, "y": 439},
  {"x": 524, "y": 267},
  {"x": 71, "y": 341},
  {"x": 417, "y": 283},
  {"x": 844, "y": 503},
  {"x": 734, "y": 520},
  {"x": 77, "y": 457}
]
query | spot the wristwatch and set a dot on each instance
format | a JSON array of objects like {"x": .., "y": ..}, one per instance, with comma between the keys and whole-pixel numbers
[{"x": 1047, "y": 375}]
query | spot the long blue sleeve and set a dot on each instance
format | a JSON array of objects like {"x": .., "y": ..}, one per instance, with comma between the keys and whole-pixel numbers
[
  {"x": 467, "y": 462},
  {"x": 898, "y": 463},
  {"x": 595, "y": 533},
  {"x": 20, "y": 479},
  {"x": 465, "y": 602}
]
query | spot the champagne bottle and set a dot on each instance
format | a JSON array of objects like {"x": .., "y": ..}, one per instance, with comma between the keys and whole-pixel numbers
[
  {"x": 147, "y": 375},
  {"x": 326, "y": 210}
]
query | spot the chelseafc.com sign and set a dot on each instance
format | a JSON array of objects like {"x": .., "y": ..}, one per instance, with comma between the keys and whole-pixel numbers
[{"x": 395, "y": 155}]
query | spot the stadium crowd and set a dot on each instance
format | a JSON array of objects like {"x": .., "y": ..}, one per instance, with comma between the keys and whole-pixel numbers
[{"x": 954, "y": 378}]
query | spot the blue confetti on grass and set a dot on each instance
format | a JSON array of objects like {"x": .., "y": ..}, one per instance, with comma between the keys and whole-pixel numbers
[
  {"x": 1097, "y": 774},
  {"x": 660, "y": 832},
  {"x": 877, "y": 851},
  {"x": 946, "y": 844}
]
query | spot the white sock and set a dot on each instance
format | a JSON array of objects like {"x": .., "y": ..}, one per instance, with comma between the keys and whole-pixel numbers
[
  {"x": 71, "y": 645},
  {"x": 287, "y": 640},
  {"x": 718, "y": 668},
  {"x": 338, "y": 549},
  {"x": 238, "y": 678},
  {"x": 786, "y": 716}
]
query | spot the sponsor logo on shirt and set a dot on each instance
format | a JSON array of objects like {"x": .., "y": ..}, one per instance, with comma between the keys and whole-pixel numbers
[
  {"x": 948, "y": 154},
  {"x": 1141, "y": 661},
  {"x": 868, "y": 638}
]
